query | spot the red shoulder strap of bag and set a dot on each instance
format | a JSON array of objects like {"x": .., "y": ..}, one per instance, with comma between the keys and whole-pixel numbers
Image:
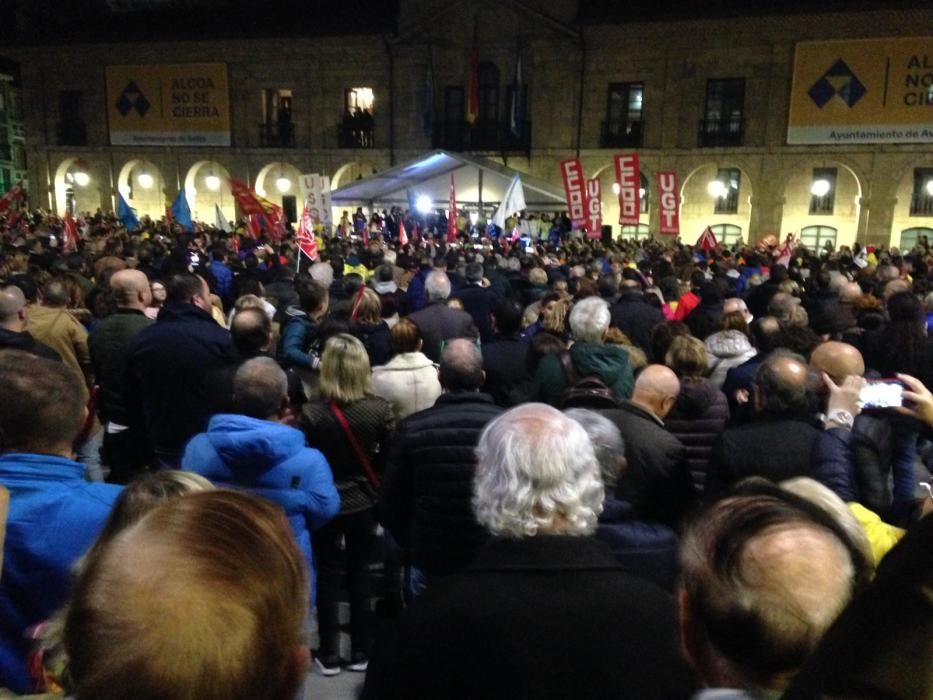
[{"x": 354, "y": 443}]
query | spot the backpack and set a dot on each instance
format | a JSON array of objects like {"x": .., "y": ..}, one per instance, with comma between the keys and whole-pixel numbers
[{"x": 584, "y": 392}]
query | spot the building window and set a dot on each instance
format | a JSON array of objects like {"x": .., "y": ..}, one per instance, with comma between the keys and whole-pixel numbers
[
  {"x": 277, "y": 129},
  {"x": 921, "y": 201},
  {"x": 823, "y": 190},
  {"x": 910, "y": 237},
  {"x": 358, "y": 126},
  {"x": 723, "y": 122},
  {"x": 631, "y": 233},
  {"x": 727, "y": 234},
  {"x": 485, "y": 133},
  {"x": 623, "y": 125},
  {"x": 71, "y": 127},
  {"x": 815, "y": 237},
  {"x": 725, "y": 190}
]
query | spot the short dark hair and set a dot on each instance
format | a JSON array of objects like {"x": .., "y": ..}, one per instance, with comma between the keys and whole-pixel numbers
[
  {"x": 405, "y": 336},
  {"x": 259, "y": 387},
  {"x": 43, "y": 405},
  {"x": 508, "y": 315},
  {"x": 182, "y": 287},
  {"x": 311, "y": 294},
  {"x": 608, "y": 285},
  {"x": 385, "y": 273},
  {"x": 250, "y": 330}
]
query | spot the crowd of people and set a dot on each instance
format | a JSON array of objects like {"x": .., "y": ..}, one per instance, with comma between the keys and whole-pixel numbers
[{"x": 583, "y": 468}]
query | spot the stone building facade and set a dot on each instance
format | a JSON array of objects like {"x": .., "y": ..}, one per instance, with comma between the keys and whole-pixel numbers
[{"x": 583, "y": 79}]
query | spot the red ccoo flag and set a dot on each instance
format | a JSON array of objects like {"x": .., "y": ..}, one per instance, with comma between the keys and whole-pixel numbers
[
  {"x": 452, "y": 214},
  {"x": 708, "y": 240},
  {"x": 16, "y": 195},
  {"x": 402, "y": 233}
]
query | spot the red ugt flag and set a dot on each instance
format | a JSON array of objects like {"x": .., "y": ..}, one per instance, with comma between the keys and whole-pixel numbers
[
  {"x": 305, "y": 236},
  {"x": 708, "y": 240},
  {"x": 402, "y": 233}
]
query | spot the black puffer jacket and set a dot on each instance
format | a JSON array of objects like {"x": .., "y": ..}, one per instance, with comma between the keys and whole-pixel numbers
[
  {"x": 429, "y": 485},
  {"x": 697, "y": 419}
]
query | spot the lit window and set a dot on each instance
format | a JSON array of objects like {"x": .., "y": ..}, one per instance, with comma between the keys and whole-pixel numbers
[{"x": 360, "y": 98}]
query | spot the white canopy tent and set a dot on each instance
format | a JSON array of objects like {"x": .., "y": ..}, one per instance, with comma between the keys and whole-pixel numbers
[{"x": 480, "y": 183}]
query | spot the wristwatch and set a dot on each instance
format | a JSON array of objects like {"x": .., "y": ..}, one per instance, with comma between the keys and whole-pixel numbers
[{"x": 841, "y": 418}]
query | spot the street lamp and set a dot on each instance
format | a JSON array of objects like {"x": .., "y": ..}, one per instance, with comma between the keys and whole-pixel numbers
[
  {"x": 930, "y": 187},
  {"x": 716, "y": 188},
  {"x": 616, "y": 188},
  {"x": 820, "y": 188},
  {"x": 82, "y": 178},
  {"x": 283, "y": 184},
  {"x": 212, "y": 182},
  {"x": 145, "y": 180},
  {"x": 424, "y": 204}
]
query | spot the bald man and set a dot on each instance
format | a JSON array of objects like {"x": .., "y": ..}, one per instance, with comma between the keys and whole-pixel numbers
[
  {"x": 777, "y": 445},
  {"x": 13, "y": 333},
  {"x": 657, "y": 482},
  {"x": 870, "y": 436},
  {"x": 123, "y": 449}
]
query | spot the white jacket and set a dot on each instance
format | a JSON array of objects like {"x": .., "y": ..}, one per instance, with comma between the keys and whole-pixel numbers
[
  {"x": 409, "y": 382},
  {"x": 727, "y": 349}
]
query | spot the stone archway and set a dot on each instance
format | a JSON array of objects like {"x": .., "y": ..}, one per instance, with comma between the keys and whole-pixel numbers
[
  {"x": 207, "y": 185},
  {"x": 143, "y": 187},
  {"x": 77, "y": 185},
  {"x": 841, "y": 211},
  {"x": 715, "y": 193},
  {"x": 348, "y": 172}
]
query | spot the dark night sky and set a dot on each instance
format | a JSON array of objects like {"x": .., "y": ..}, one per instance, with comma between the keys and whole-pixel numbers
[{"x": 47, "y": 22}]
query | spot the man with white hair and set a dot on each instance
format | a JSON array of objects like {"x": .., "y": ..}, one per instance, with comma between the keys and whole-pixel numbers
[
  {"x": 438, "y": 322},
  {"x": 589, "y": 355},
  {"x": 544, "y": 610}
]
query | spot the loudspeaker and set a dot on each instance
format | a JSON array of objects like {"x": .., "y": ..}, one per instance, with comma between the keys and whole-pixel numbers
[{"x": 607, "y": 234}]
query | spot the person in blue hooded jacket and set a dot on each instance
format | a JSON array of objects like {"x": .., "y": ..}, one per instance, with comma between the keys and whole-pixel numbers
[{"x": 255, "y": 451}]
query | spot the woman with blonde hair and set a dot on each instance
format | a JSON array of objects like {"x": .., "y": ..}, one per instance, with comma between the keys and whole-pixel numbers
[{"x": 352, "y": 427}]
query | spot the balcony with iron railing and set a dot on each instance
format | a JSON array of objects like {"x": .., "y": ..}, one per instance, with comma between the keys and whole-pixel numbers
[
  {"x": 921, "y": 204},
  {"x": 356, "y": 133},
  {"x": 72, "y": 133},
  {"x": 460, "y": 135},
  {"x": 621, "y": 134},
  {"x": 277, "y": 135},
  {"x": 721, "y": 132}
]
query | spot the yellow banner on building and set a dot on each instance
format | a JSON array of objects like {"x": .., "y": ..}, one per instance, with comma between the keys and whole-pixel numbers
[
  {"x": 862, "y": 91},
  {"x": 184, "y": 104}
]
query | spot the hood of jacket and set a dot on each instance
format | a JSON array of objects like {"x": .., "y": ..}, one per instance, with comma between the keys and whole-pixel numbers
[
  {"x": 250, "y": 446},
  {"x": 295, "y": 311},
  {"x": 406, "y": 362},
  {"x": 609, "y": 362},
  {"x": 725, "y": 344},
  {"x": 385, "y": 287},
  {"x": 696, "y": 396}
]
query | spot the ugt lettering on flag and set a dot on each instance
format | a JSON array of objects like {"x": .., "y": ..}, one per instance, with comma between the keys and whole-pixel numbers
[{"x": 668, "y": 203}]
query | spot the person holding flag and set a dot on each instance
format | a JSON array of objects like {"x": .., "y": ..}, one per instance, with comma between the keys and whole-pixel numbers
[{"x": 126, "y": 214}]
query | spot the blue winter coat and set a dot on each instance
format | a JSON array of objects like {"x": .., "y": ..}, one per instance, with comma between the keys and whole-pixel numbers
[
  {"x": 55, "y": 515},
  {"x": 298, "y": 335},
  {"x": 272, "y": 461}
]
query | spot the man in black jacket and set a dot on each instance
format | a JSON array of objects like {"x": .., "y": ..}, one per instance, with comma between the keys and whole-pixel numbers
[
  {"x": 477, "y": 300},
  {"x": 657, "y": 481},
  {"x": 504, "y": 359},
  {"x": 168, "y": 365},
  {"x": 778, "y": 443},
  {"x": 635, "y": 317},
  {"x": 438, "y": 322},
  {"x": 124, "y": 448},
  {"x": 429, "y": 480}
]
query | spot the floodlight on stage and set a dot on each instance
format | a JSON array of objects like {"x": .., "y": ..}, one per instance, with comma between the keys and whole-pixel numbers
[
  {"x": 82, "y": 178},
  {"x": 616, "y": 188},
  {"x": 424, "y": 204},
  {"x": 930, "y": 187},
  {"x": 474, "y": 217},
  {"x": 145, "y": 180},
  {"x": 716, "y": 188},
  {"x": 283, "y": 184},
  {"x": 212, "y": 182},
  {"x": 820, "y": 188}
]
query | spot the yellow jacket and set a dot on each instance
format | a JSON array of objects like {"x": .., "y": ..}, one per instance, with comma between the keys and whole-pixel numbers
[{"x": 881, "y": 536}]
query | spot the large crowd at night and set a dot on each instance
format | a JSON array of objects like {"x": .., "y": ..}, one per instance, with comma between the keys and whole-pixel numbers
[{"x": 467, "y": 466}]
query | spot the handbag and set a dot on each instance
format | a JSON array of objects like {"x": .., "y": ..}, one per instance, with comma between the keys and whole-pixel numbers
[{"x": 361, "y": 455}]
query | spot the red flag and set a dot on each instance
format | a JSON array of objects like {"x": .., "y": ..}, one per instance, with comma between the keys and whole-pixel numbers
[
  {"x": 235, "y": 242},
  {"x": 594, "y": 207},
  {"x": 786, "y": 251},
  {"x": 516, "y": 234},
  {"x": 414, "y": 232},
  {"x": 628, "y": 176},
  {"x": 254, "y": 205},
  {"x": 402, "y": 234},
  {"x": 473, "y": 83},
  {"x": 669, "y": 203},
  {"x": 452, "y": 215},
  {"x": 366, "y": 236},
  {"x": 70, "y": 231},
  {"x": 707, "y": 240},
  {"x": 574, "y": 189},
  {"x": 16, "y": 195},
  {"x": 307, "y": 244}
]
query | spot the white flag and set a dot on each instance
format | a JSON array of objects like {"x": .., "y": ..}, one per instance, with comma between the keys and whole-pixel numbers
[
  {"x": 512, "y": 203},
  {"x": 221, "y": 220}
]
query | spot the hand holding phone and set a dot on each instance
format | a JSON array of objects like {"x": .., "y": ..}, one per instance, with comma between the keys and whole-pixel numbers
[{"x": 882, "y": 393}]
